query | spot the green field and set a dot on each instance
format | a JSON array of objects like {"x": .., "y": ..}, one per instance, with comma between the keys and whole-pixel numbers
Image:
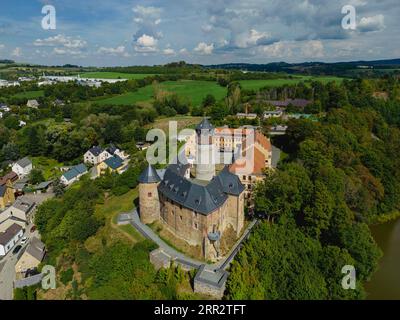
[
  {"x": 258, "y": 84},
  {"x": 115, "y": 75},
  {"x": 193, "y": 91},
  {"x": 30, "y": 94}
]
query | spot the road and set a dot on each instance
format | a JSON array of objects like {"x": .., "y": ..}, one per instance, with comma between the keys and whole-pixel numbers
[{"x": 150, "y": 234}]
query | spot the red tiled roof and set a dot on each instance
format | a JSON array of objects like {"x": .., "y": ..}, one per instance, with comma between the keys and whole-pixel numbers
[
  {"x": 9, "y": 176},
  {"x": 256, "y": 168}
]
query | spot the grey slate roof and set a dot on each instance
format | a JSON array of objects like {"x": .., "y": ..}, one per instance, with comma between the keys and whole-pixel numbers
[
  {"x": 111, "y": 149},
  {"x": 24, "y": 162},
  {"x": 204, "y": 125},
  {"x": 96, "y": 150},
  {"x": 202, "y": 199},
  {"x": 10, "y": 233},
  {"x": 149, "y": 175},
  {"x": 75, "y": 171},
  {"x": 36, "y": 249},
  {"x": 24, "y": 205},
  {"x": 114, "y": 162}
]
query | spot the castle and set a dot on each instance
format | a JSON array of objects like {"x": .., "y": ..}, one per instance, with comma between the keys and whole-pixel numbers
[{"x": 197, "y": 208}]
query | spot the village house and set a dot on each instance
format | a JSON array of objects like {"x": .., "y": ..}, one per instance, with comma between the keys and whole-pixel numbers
[
  {"x": 113, "y": 164},
  {"x": 250, "y": 116},
  {"x": 7, "y": 197},
  {"x": 22, "y": 123},
  {"x": 22, "y": 167},
  {"x": 73, "y": 174},
  {"x": 96, "y": 155},
  {"x": 32, "y": 104},
  {"x": 273, "y": 114},
  {"x": 22, "y": 210},
  {"x": 31, "y": 258},
  {"x": 298, "y": 103},
  {"x": 11, "y": 176},
  {"x": 9, "y": 238}
]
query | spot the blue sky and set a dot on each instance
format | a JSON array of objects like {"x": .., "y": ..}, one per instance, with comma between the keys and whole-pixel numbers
[{"x": 122, "y": 32}]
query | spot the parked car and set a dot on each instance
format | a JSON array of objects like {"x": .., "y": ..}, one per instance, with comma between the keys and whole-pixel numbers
[
  {"x": 33, "y": 229},
  {"x": 16, "y": 249},
  {"x": 24, "y": 240}
]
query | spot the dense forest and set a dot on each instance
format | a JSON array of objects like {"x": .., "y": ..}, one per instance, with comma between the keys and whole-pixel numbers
[{"x": 341, "y": 174}]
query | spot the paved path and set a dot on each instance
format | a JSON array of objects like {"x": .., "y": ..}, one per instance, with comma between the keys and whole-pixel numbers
[{"x": 223, "y": 264}]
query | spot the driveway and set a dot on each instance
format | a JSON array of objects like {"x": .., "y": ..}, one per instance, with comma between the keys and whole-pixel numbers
[{"x": 148, "y": 233}]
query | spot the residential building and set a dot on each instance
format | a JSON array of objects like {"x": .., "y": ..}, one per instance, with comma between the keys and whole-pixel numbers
[
  {"x": 114, "y": 164},
  {"x": 22, "y": 167},
  {"x": 96, "y": 155},
  {"x": 9, "y": 177},
  {"x": 7, "y": 197},
  {"x": 73, "y": 174},
  {"x": 273, "y": 114},
  {"x": 9, "y": 238},
  {"x": 32, "y": 104},
  {"x": 22, "y": 209},
  {"x": 250, "y": 116},
  {"x": 32, "y": 257},
  {"x": 299, "y": 103}
]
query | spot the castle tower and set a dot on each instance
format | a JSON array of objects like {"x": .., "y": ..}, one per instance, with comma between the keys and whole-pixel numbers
[
  {"x": 205, "y": 155},
  {"x": 149, "y": 202}
]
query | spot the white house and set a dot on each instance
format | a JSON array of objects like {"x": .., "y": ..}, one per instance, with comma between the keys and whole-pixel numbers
[
  {"x": 32, "y": 104},
  {"x": 22, "y": 167},
  {"x": 96, "y": 155},
  {"x": 73, "y": 174},
  {"x": 22, "y": 123},
  {"x": 9, "y": 238},
  {"x": 4, "y": 107}
]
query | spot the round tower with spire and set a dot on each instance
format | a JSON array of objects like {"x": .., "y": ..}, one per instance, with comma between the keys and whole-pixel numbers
[
  {"x": 205, "y": 155},
  {"x": 149, "y": 202}
]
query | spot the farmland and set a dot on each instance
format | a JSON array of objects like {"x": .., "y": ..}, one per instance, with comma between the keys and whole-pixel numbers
[
  {"x": 258, "y": 84},
  {"x": 192, "y": 91}
]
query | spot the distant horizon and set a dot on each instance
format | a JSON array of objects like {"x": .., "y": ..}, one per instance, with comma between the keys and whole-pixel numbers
[{"x": 190, "y": 63}]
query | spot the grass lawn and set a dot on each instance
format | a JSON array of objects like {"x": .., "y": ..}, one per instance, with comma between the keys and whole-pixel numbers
[
  {"x": 192, "y": 90},
  {"x": 115, "y": 75},
  {"x": 183, "y": 122},
  {"x": 50, "y": 167},
  {"x": 30, "y": 94},
  {"x": 258, "y": 84}
]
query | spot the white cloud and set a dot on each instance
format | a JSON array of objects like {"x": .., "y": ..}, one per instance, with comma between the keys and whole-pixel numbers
[
  {"x": 60, "y": 40},
  {"x": 17, "y": 52},
  {"x": 204, "y": 48},
  {"x": 313, "y": 49},
  {"x": 66, "y": 51},
  {"x": 374, "y": 23},
  {"x": 150, "y": 12},
  {"x": 279, "y": 49},
  {"x": 169, "y": 51},
  {"x": 251, "y": 38},
  {"x": 184, "y": 51},
  {"x": 2, "y": 46},
  {"x": 118, "y": 51},
  {"x": 146, "y": 43},
  {"x": 207, "y": 28}
]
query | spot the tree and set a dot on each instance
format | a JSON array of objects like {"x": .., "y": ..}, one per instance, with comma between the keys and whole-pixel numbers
[
  {"x": 36, "y": 176},
  {"x": 208, "y": 100}
]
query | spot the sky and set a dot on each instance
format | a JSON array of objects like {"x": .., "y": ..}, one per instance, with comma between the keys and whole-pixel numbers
[{"x": 149, "y": 32}]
